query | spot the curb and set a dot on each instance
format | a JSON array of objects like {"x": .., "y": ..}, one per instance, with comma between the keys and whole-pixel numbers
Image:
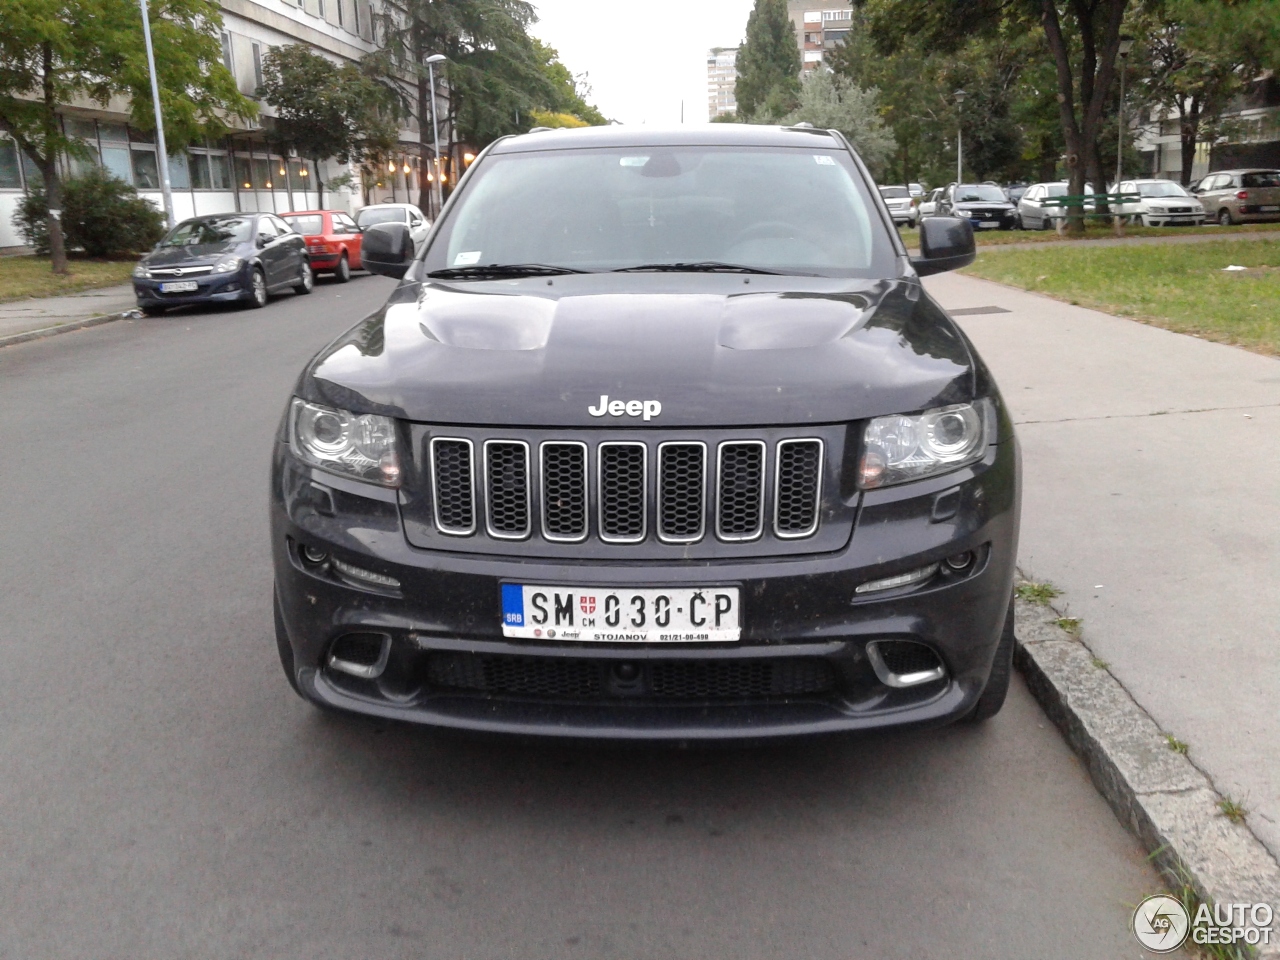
[
  {"x": 1158, "y": 794},
  {"x": 67, "y": 327}
]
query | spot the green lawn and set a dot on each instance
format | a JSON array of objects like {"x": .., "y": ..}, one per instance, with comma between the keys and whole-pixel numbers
[
  {"x": 1180, "y": 287},
  {"x": 23, "y": 277},
  {"x": 1096, "y": 231}
]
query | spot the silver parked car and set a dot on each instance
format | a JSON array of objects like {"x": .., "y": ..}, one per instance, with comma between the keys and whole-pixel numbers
[
  {"x": 1159, "y": 203},
  {"x": 902, "y": 206},
  {"x": 1240, "y": 196},
  {"x": 1035, "y": 214},
  {"x": 928, "y": 207}
]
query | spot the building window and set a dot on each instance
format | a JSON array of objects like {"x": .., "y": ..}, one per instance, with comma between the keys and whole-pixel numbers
[
  {"x": 338, "y": 5},
  {"x": 228, "y": 60},
  {"x": 373, "y": 26},
  {"x": 10, "y": 168},
  {"x": 813, "y": 56},
  {"x": 829, "y": 15},
  {"x": 115, "y": 150},
  {"x": 320, "y": 8},
  {"x": 355, "y": 13},
  {"x": 257, "y": 66}
]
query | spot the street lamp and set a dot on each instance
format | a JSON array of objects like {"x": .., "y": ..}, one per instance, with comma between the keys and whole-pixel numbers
[
  {"x": 155, "y": 100},
  {"x": 435, "y": 126},
  {"x": 959, "y": 95},
  {"x": 1126, "y": 44}
]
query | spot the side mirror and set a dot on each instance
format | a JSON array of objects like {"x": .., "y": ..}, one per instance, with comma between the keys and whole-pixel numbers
[
  {"x": 946, "y": 243},
  {"x": 261, "y": 241},
  {"x": 387, "y": 249}
]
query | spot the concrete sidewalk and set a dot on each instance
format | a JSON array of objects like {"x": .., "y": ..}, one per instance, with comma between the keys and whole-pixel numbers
[
  {"x": 23, "y": 316},
  {"x": 1152, "y": 499}
]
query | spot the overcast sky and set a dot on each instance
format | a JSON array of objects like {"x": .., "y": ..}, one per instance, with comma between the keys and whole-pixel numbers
[{"x": 643, "y": 58}]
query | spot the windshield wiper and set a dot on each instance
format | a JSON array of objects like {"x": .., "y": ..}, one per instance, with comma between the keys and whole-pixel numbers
[
  {"x": 490, "y": 270},
  {"x": 696, "y": 266}
]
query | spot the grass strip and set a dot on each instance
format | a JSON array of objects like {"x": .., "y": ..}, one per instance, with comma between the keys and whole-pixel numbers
[
  {"x": 1181, "y": 287},
  {"x": 1097, "y": 231},
  {"x": 24, "y": 277}
]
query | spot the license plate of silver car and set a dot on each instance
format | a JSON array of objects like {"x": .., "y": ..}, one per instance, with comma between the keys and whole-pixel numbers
[{"x": 621, "y": 615}]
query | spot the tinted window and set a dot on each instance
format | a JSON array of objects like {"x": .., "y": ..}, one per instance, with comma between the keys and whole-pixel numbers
[
  {"x": 196, "y": 232},
  {"x": 894, "y": 192},
  {"x": 979, "y": 193},
  {"x": 783, "y": 209},
  {"x": 307, "y": 226},
  {"x": 371, "y": 215},
  {"x": 1270, "y": 178}
]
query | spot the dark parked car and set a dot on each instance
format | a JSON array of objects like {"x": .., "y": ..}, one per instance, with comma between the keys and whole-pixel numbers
[
  {"x": 226, "y": 257},
  {"x": 660, "y": 438},
  {"x": 982, "y": 204}
]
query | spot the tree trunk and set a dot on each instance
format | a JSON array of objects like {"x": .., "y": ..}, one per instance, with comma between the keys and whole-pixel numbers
[
  {"x": 1189, "y": 133},
  {"x": 319, "y": 184},
  {"x": 48, "y": 164}
]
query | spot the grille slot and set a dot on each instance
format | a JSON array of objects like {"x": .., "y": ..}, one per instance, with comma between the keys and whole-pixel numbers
[
  {"x": 798, "y": 488},
  {"x": 622, "y": 468},
  {"x": 566, "y": 678},
  {"x": 682, "y": 483},
  {"x": 740, "y": 490},
  {"x": 506, "y": 465},
  {"x": 452, "y": 472},
  {"x": 564, "y": 490}
]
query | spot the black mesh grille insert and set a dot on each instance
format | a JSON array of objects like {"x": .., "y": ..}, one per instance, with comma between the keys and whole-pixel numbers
[
  {"x": 454, "y": 489},
  {"x": 799, "y": 466},
  {"x": 507, "y": 482},
  {"x": 740, "y": 490},
  {"x": 622, "y": 485},
  {"x": 904, "y": 656},
  {"x": 564, "y": 491},
  {"x": 560, "y": 678},
  {"x": 681, "y": 483}
]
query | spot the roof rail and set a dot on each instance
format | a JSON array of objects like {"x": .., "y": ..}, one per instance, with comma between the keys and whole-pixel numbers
[{"x": 539, "y": 129}]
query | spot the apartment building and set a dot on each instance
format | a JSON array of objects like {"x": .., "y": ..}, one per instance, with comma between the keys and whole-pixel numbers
[
  {"x": 819, "y": 25},
  {"x": 722, "y": 80},
  {"x": 240, "y": 172}
]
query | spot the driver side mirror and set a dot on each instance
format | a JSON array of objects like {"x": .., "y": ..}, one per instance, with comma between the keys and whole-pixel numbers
[
  {"x": 261, "y": 241},
  {"x": 946, "y": 243},
  {"x": 387, "y": 249}
]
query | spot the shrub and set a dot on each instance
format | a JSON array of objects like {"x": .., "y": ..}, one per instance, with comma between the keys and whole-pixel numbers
[{"x": 101, "y": 215}]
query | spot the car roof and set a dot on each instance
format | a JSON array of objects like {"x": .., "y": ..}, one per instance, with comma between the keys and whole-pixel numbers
[
  {"x": 308, "y": 213},
  {"x": 406, "y": 206},
  {"x": 1214, "y": 173},
  {"x": 700, "y": 135}
]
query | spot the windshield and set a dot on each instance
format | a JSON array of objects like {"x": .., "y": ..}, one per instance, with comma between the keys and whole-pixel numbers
[
  {"x": 979, "y": 193},
  {"x": 1161, "y": 188},
  {"x": 307, "y": 226},
  {"x": 894, "y": 192},
  {"x": 195, "y": 233},
  {"x": 371, "y": 215},
  {"x": 782, "y": 210}
]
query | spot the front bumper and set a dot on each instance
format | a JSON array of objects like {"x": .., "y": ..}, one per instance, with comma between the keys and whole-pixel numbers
[
  {"x": 796, "y": 610},
  {"x": 1173, "y": 219},
  {"x": 210, "y": 288}
]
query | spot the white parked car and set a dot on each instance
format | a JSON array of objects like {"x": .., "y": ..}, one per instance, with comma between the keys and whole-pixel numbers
[
  {"x": 419, "y": 225},
  {"x": 928, "y": 207},
  {"x": 902, "y": 206},
  {"x": 1159, "y": 203}
]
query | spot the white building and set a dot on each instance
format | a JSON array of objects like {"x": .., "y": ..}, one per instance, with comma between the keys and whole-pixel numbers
[
  {"x": 238, "y": 172},
  {"x": 722, "y": 79}
]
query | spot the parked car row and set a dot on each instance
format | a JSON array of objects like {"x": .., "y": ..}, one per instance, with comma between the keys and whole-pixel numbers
[{"x": 246, "y": 257}]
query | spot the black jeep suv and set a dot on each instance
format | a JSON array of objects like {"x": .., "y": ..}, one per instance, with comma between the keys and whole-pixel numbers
[{"x": 660, "y": 438}]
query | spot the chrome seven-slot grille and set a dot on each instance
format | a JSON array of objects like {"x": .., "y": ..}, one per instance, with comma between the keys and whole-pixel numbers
[{"x": 698, "y": 490}]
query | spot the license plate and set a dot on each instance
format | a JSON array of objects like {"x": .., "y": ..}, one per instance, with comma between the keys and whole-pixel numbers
[
  {"x": 1269, "y": 208},
  {"x": 613, "y": 615},
  {"x": 987, "y": 224},
  {"x": 180, "y": 286}
]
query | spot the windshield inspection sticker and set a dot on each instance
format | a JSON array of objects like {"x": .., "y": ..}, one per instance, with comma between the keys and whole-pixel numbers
[
  {"x": 632, "y": 161},
  {"x": 824, "y": 160},
  {"x": 466, "y": 258}
]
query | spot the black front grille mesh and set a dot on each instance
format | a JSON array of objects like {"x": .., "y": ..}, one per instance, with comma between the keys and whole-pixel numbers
[
  {"x": 740, "y": 490},
  {"x": 564, "y": 491},
  {"x": 799, "y": 474},
  {"x": 681, "y": 491},
  {"x": 566, "y": 678},
  {"x": 622, "y": 491},
  {"x": 507, "y": 480},
  {"x": 454, "y": 487}
]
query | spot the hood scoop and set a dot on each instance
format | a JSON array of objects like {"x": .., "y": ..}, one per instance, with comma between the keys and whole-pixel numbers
[
  {"x": 484, "y": 322},
  {"x": 789, "y": 321}
]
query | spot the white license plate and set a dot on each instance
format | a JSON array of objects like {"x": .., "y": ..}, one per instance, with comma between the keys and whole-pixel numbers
[
  {"x": 988, "y": 224},
  {"x": 180, "y": 286},
  {"x": 1269, "y": 208},
  {"x": 613, "y": 615}
]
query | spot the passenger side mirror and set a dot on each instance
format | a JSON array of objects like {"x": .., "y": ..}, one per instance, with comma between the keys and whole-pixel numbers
[
  {"x": 946, "y": 243},
  {"x": 387, "y": 249},
  {"x": 261, "y": 241}
]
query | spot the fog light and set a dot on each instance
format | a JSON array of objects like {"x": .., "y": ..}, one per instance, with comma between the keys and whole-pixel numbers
[
  {"x": 901, "y": 580},
  {"x": 365, "y": 576},
  {"x": 960, "y": 561},
  {"x": 313, "y": 555}
]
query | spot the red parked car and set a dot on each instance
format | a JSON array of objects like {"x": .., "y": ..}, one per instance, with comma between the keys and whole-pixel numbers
[{"x": 333, "y": 240}]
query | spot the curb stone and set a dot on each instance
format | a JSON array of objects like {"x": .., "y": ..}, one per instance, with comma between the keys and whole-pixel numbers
[
  {"x": 1158, "y": 794},
  {"x": 67, "y": 327}
]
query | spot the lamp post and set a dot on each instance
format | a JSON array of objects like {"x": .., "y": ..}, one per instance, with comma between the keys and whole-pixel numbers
[
  {"x": 1126, "y": 44},
  {"x": 435, "y": 126},
  {"x": 163, "y": 154},
  {"x": 959, "y": 95}
]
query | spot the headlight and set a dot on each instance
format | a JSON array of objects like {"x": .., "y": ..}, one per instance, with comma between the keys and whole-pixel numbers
[
  {"x": 359, "y": 446},
  {"x": 141, "y": 272},
  {"x": 227, "y": 265},
  {"x": 901, "y": 448}
]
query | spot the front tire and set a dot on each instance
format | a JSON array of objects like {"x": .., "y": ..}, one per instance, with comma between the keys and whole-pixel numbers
[
  {"x": 343, "y": 273},
  {"x": 306, "y": 280},
  {"x": 257, "y": 290},
  {"x": 997, "y": 688}
]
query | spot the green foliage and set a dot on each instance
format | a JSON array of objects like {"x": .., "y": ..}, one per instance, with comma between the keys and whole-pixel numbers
[
  {"x": 768, "y": 84},
  {"x": 832, "y": 102},
  {"x": 545, "y": 118},
  {"x": 101, "y": 215},
  {"x": 570, "y": 91},
  {"x": 730, "y": 117}
]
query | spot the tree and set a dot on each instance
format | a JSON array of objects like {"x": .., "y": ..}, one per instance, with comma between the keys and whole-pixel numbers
[
  {"x": 831, "y": 102},
  {"x": 768, "y": 63},
  {"x": 570, "y": 91},
  {"x": 53, "y": 52},
  {"x": 325, "y": 110}
]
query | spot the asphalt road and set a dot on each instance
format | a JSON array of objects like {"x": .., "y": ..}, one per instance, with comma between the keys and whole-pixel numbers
[{"x": 164, "y": 794}]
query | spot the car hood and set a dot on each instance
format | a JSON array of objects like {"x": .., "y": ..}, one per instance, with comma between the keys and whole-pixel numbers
[
  {"x": 712, "y": 350},
  {"x": 189, "y": 256}
]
